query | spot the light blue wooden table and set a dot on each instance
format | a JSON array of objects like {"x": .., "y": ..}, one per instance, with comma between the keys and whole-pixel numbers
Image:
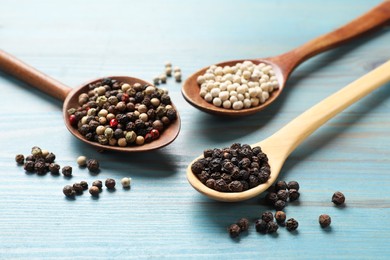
[{"x": 162, "y": 216}]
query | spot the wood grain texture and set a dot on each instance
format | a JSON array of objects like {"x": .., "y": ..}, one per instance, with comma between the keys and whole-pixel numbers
[{"x": 162, "y": 216}]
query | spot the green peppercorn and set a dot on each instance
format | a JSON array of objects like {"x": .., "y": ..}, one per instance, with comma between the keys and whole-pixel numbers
[
  {"x": 36, "y": 151},
  {"x": 69, "y": 191},
  {"x": 19, "y": 158},
  {"x": 130, "y": 137},
  {"x": 67, "y": 171},
  {"x": 110, "y": 183},
  {"x": 108, "y": 132}
]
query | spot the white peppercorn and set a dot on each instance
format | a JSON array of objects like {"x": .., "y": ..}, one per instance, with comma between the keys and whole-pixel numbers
[
  {"x": 126, "y": 182},
  {"x": 140, "y": 140},
  {"x": 82, "y": 161}
]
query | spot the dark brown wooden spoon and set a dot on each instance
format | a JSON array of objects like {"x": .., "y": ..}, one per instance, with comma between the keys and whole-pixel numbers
[
  {"x": 284, "y": 64},
  {"x": 69, "y": 96}
]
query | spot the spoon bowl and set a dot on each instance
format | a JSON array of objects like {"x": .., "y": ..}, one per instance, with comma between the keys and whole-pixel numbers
[
  {"x": 284, "y": 64},
  {"x": 69, "y": 96},
  {"x": 278, "y": 146}
]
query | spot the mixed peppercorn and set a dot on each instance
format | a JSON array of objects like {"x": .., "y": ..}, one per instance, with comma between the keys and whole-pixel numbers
[
  {"x": 119, "y": 114},
  {"x": 232, "y": 169}
]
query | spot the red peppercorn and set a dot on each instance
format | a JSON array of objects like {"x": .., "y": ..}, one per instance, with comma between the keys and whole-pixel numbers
[
  {"x": 155, "y": 134},
  {"x": 73, "y": 120},
  {"x": 125, "y": 97},
  {"x": 113, "y": 122},
  {"x": 148, "y": 138}
]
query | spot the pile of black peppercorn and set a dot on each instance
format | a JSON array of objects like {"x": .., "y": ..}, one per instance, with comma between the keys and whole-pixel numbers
[
  {"x": 41, "y": 161},
  {"x": 282, "y": 192},
  {"x": 232, "y": 169},
  {"x": 94, "y": 190},
  {"x": 236, "y": 229},
  {"x": 119, "y": 114}
]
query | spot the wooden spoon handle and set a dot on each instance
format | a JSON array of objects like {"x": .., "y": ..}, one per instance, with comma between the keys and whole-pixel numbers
[
  {"x": 373, "y": 19},
  {"x": 290, "y": 136},
  {"x": 28, "y": 74}
]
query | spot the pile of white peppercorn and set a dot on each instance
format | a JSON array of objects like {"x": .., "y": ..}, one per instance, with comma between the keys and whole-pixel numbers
[
  {"x": 241, "y": 86},
  {"x": 120, "y": 114}
]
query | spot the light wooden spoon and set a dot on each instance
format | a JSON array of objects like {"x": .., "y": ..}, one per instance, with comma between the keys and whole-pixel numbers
[
  {"x": 279, "y": 145},
  {"x": 69, "y": 96},
  {"x": 284, "y": 64}
]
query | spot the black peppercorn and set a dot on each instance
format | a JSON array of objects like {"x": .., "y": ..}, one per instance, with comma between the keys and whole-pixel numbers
[
  {"x": 210, "y": 183},
  {"x": 98, "y": 184},
  {"x": 280, "y": 217},
  {"x": 235, "y": 186},
  {"x": 29, "y": 166},
  {"x": 110, "y": 183},
  {"x": 234, "y": 230},
  {"x": 282, "y": 195},
  {"x": 78, "y": 188},
  {"x": 279, "y": 204},
  {"x": 19, "y": 158},
  {"x": 93, "y": 165},
  {"x": 40, "y": 167},
  {"x": 261, "y": 226},
  {"x": 293, "y": 185},
  {"x": 338, "y": 198},
  {"x": 84, "y": 184},
  {"x": 30, "y": 158},
  {"x": 272, "y": 227},
  {"x": 203, "y": 176},
  {"x": 67, "y": 171},
  {"x": 50, "y": 158},
  {"x": 324, "y": 220},
  {"x": 291, "y": 224},
  {"x": 243, "y": 223},
  {"x": 267, "y": 216},
  {"x": 293, "y": 194},
  {"x": 197, "y": 167},
  {"x": 220, "y": 185},
  {"x": 68, "y": 191},
  {"x": 94, "y": 191},
  {"x": 280, "y": 185},
  {"x": 54, "y": 168}
]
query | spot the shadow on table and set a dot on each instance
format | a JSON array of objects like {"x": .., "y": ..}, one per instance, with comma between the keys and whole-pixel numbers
[{"x": 235, "y": 128}]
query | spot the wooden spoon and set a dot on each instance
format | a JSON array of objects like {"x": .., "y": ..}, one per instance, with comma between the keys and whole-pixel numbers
[
  {"x": 284, "y": 64},
  {"x": 279, "y": 145},
  {"x": 69, "y": 96}
]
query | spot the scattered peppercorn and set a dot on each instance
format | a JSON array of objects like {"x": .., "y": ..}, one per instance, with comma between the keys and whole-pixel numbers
[
  {"x": 293, "y": 194},
  {"x": 98, "y": 184},
  {"x": 67, "y": 171},
  {"x": 84, "y": 184},
  {"x": 272, "y": 227},
  {"x": 93, "y": 165},
  {"x": 110, "y": 183},
  {"x": 267, "y": 216},
  {"x": 82, "y": 161},
  {"x": 68, "y": 191},
  {"x": 291, "y": 224},
  {"x": 234, "y": 169},
  {"x": 324, "y": 220},
  {"x": 78, "y": 188},
  {"x": 282, "y": 195},
  {"x": 19, "y": 158},
  {"x": 54, "y": 168},
  {"x": 94, "y": 191},
  {"x": 234, "y": 230},
  {"x": 261, "y": 226},
  {"x": 126, "y": 182},
  {"x": 293, "y": 185},
  {"x": 338, "y": 198},
  {"x": 280, "y": 204},
  {"x": 243, "y": 223},
  {"x": 29, "y": 166},
  {"x": 280, "y": 217},
  {"x": 280, "y": 185}
]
